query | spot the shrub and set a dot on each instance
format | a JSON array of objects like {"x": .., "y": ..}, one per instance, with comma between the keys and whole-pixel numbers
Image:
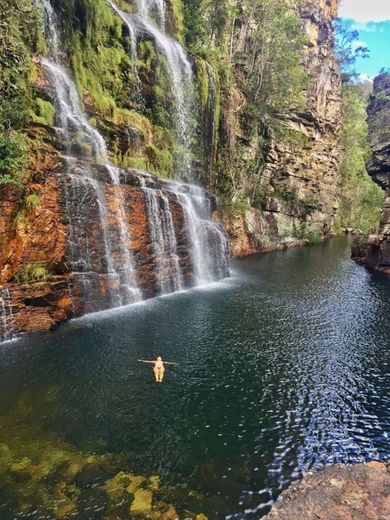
[
  {"x": 303, "y": 233},
  {"x": 33, "y": 200},
  {"x": 13, "y": 157},
  {"x": 32, "y": 272}
]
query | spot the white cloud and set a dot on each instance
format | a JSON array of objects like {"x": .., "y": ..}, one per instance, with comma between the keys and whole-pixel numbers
[
  {"x": 358, "y": 43},
  {"x": 369, "y": 26},
  {"x": 365, "y": 78},
  {"x": 365, "y": 11}
]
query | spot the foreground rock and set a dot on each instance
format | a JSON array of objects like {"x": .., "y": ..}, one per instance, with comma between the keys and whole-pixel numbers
[
  {"x": 374, "y": 251},
  {"x": 360, "y": 492}
]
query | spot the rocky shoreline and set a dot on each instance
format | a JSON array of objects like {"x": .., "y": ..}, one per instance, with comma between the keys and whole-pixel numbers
[
  {"x": 374, "y": 251},
  {"x": 338, "y": 492}
]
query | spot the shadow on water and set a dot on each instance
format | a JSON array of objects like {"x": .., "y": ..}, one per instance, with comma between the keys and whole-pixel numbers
[{"x": 282, "y": 369}]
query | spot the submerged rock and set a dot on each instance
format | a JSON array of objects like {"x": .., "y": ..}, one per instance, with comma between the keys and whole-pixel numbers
[
  {"x": 43, "y": 476},
  {"x": 360, "y": 492}
]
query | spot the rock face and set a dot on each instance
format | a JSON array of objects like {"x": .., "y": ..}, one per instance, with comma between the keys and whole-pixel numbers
[
  {"x": 374, "y": 251},
  {"x": 360, "y": 492},
  {"x": 301, "y": 184},
  {"x": 150, "y": 215},
  {"x": 63, "y": 240}
]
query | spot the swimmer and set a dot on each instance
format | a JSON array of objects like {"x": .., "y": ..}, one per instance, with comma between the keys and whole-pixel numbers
[{"x": 159, "y": 368}]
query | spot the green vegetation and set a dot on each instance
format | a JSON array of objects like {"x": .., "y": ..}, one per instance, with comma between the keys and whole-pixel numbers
[
  {"x": 273, "y": 75},
  {"x": 43, "y": 112},
  {"x": 13, "y": 157},
  {"x": 32, "y": 272},
  {"x": 33, "y": 200},
  {"x": 303, "y": 233},
  {"x": 42, "y": 473},
  {"x": 362, "y": 200},
  {"x": 19, "y": 29},
  {"x": 258, "y": 87}
]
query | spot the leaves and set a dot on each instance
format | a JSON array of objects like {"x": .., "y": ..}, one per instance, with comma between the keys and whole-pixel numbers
[
  {"x": 347, "y": 49},
  {"x": 361, "y": 199},
  {"x": 13, "y": 157}
]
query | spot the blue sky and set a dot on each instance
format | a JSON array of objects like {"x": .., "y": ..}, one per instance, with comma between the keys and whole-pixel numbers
[{"x": 372, "y": 19}]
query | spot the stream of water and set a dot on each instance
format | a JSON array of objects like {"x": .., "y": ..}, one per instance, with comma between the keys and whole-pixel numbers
[
  {"x": 283, "y": 368},
  {"x": 107, "y": 254},
  {"x": 178, "y": 69}
]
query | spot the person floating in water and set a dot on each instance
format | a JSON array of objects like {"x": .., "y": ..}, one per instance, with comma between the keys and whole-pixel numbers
[{"x": 159, "y": 368}]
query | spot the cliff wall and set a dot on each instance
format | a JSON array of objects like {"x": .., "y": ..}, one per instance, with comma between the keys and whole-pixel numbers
[
  {"x": 269, "y": 152},
  {"x": 298, "y": 179},
  {"x": 374, "y": 251}
]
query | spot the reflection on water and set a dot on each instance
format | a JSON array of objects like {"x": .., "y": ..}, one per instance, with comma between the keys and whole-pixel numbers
[{"x": 283, "y": 368}]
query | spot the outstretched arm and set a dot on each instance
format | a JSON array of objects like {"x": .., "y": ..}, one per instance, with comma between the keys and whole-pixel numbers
[
  {"x": 170, "y": 363},
  {"x": 145, "y": 361}
]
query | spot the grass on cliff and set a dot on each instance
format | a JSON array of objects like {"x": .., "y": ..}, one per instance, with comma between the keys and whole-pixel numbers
[
  {"x": 32, "y": 272},
  {"x": 361, "y": 199},
  {"x": 19, "y": 32}
]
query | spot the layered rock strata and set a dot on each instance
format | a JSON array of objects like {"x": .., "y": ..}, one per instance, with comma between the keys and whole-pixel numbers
[
  {"x": 301, "y": 185},
  {"x": 374, "y": 250},
  {"x": 41, "y": 236}
]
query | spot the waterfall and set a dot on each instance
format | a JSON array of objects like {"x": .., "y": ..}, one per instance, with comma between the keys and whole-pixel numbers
[
  {"x": 179, "y": 72},
  {"x": 163, "y": 237},
  {"x": 209, "y": 248},
  {"x": 208, "y": 245},
  {"x": 185, "y": 247},
  {"x": 6, "y": 315},
  {"x": 84, "y": 146},
  {"x": 152, "y": 9}
]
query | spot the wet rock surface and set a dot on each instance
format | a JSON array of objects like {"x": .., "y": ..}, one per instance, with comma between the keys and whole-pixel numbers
[
  {"x": 360, "y": 492},
  {"x": 67, "y": 255},
  {"x": 374, "y": 250}
]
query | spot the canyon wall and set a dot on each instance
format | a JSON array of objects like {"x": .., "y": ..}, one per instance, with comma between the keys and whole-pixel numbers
[
  {"x": 299, "y": 180},
  {"x": 121, "y": 119},
  {"x": 374, "y": 250},
  {"x": 41, "y": 237}
]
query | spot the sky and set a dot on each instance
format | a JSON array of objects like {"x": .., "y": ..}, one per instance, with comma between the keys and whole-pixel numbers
[{"x": 372, "y": 19}]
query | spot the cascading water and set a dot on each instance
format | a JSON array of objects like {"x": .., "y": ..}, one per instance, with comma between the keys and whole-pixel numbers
[
  {"x": 208, "y": 244},
  {"x": 6, "y": 315},
  {"x": 81, "y": 185},
  {"x": 179, "y": 72},
  {"x": 152, "y": 9},
  {"x": 163, "y": 236}
]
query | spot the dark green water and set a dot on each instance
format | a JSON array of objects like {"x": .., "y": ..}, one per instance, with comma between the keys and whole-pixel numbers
[{"x": 283, "y": 368}]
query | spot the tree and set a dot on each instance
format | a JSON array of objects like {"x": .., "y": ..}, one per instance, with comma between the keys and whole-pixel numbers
[{"x": 348, "y": 49}]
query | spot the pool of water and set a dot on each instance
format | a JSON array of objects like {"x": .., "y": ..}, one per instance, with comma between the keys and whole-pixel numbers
[{"x": 283, "y": 368}]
